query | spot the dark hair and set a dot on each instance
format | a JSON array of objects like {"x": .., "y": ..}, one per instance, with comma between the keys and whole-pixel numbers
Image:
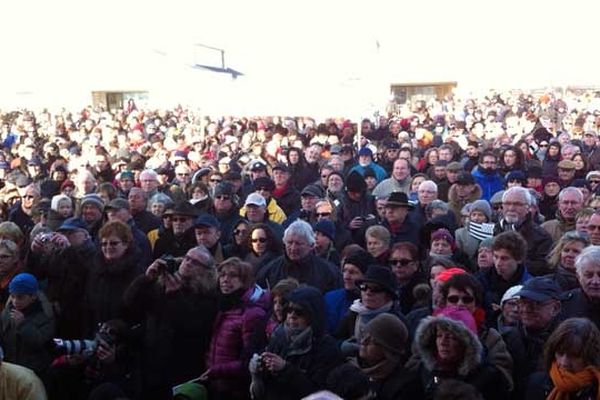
[
  {"x": 244, "y": 269},
  {"x": 272, "y": 242},
  {"x": 578, "y": 337},
  {"x": 108, "y": 188},
  {"x": 463, "y": 282},
  {"x": 487, "y": 153},
  {"x": 406, "y": 246},
  {"x": 512, "y": 242},
  {"x": 348, "y": 382}
]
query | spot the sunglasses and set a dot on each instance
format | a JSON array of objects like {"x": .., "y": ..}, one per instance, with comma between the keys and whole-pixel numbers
[
  {"x": 296, "y": 310},
  {"x": 28, "y": 196},
  {"x": 180, "y": 219},
  {"x": 238, "y": 232},
  {"x": 593, "y": 181},
  {"x": 215, "y": 180},
  {"x": 259, "y": 240},
  {"x": 182, "y": 174},
  {"x": 401, "y": 261},
  {"x": 454, "y": 299},
  {"x": 325, "y": 214},
  {"x": 373, "y": 289}
]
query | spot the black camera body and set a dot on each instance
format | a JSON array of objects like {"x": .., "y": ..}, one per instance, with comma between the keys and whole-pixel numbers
[{"x": 171, "y": 266}]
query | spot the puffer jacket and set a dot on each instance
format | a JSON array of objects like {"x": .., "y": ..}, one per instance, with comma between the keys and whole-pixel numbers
[
  {"x": 234, "y": 340},
  {"x": 473, "y": 369}
]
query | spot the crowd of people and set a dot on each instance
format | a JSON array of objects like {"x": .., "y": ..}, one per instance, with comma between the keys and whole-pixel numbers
[{"x": 448, "y": 250}]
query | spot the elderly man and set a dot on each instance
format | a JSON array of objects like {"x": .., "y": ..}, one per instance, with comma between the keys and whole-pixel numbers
[
  {"x": 118, "y": 210},
  {"x": 149, "y": 182},
  {"x": 516, "y": 205},
  {"x": 402, "y": 225},
  {"x": 398, "y": 182},
  {"x": 566, "y": 172},
  {"x": 225, "y": 203},
  {"x": 300, "y": 262},
  {"x": 585, "y": 301},
  {"x": 256, "y": 212},
  {"x": 22, "y": 211},
  {"x": 138, "y": 203},
  {"x": 208, "y": 233},
  {"x": 92, "y": 212},
  {"x": 286, "y": 194},
  {"x": 570, "y": 202},
  {"x": 163, "y": 300},
  {"x": 426, "y": 193},
  {"x": 365, "y": 159},
  {"x": 181, "y": 238}
]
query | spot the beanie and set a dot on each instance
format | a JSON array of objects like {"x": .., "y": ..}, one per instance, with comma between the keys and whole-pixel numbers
[
  {"x": 487, "y": 243},
  {"x": 482, "y": 206},
  {"x": 326, "y": 227},
  {"x": 23, "y": 284},
  {"x": 361, "y": 259},
  {"x": 355, "y": 182},
  {"x": 93, "y": 199},
  {"x": 445, "y": 234},
  {"x": 449, "y": 273},
  {"x": 389, "y": 332},
  {"x": 458, "y": 314}
]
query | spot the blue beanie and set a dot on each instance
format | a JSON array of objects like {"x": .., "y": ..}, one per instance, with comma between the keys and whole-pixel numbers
[
  {"x": 23, "y": 284},
  {"x": 327, "y": 228}
]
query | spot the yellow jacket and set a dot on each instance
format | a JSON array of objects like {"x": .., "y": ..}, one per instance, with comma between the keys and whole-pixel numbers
[{"x": 275, "y": 212}]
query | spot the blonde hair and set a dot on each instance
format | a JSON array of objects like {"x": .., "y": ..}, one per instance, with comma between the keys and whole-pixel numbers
[{"x": 380, "y": 233}]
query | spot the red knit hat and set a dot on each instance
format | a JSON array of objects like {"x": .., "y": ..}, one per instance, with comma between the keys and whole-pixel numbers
[{"x": 449, "y": 273}]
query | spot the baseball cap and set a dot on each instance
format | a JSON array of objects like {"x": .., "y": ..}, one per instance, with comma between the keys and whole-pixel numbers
[
  {"x": 206, "y": 220},
  {"x": 117, "y": 204},
  {"x": 255, "y": 199},
  {"x": 71, "y": 224},
  {"x": 540, "y": 289}
]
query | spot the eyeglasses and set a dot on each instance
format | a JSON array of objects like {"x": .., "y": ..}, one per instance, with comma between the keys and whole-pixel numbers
[
  {"x": 324, "y": 214},
  {"x": 263, "y": 189},
  {"x": 111, "y": 243},
  {"x": 238, "y": 232},
  {"x": 194, "y": 262},
  {"x": 259, "y": 240},
  {"x": 373, "y": 289},
  {"x": 215, "y": 180},
  {"x": 513, "y": 204},
  {"x": 296, "y": 310},
  {"x": 594, "y": 181},
  {"x": 5, "y": 256},
  {"x": 180, "y": 219},
  {"x": 28, "y": 196},
  {"x": 543, "y": 145},
  {"x": 182, "y": 174},
  {"x": 454, "y": 299},
  {"x": 403, "y": 262},
  {"x": 222, "y": 197},
  {"x": 167, "y": 216}
]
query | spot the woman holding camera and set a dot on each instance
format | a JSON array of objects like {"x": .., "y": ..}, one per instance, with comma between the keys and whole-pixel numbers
[{"x": 242, "y": 312}]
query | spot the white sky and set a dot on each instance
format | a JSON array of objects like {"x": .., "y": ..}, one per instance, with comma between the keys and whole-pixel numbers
[{"x": 306, "y": 48}]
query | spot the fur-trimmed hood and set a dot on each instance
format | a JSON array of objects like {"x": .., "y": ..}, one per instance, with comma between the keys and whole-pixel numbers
[
  {"x": 425, "y": 342},
  {"x": 453, "y": 196}
]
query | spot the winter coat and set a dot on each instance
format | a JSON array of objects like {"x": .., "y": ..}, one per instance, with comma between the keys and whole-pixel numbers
[
  {"x": 578, "y": 304},
  {"x": 565, "y": 279},
  {"x": 307, "y": 367},
  {"x": 489, "y": 183},
  {"x": 65, "y": 273},
  {"x": 146, "y": 221},
  {"x": 259, "y": 262},
  {"x": 548, "y": 206},
  {"x": 474, "y": 368},
  {"x": 400, "y": 384},
  {"x": 467, "y": 243},
  {"x": 176, "y": 246},
  {"x": 17, "y": 382},
  {"x": 274, "y": 212},
  {"x": 176, "y": 331},
  {"x": 456, "y": 204},
  {"x": 389, "y": 185},
  {"x": 557, "y": 227},
  {"x": 28, "y": 343},
  {"x": 349, "y": 209},
  {"x": 539, "y": 245},
  {"x": 105, "y": 286},
  {"x": 408, "y": 231},
  {"x": 289, "y": 199},
  {"x": 227, "y": 224},
  {"x": 337, "y": 305},
  {"x": 406, "y": 299},
  {"x": 312, "y": 270},
  {"x": 540, "y": 385},
  {"x": 234, "y": 340},
  {"x": 380, "y": 173}
]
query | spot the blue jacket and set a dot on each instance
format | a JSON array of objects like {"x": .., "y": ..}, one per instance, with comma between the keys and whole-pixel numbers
[
  {"x": 490, "y": 184},
  {"x": 337, "y": 304},
  {"x": 380, "y": 173}
]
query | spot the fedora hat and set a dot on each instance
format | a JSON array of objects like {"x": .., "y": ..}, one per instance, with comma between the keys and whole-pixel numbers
[{"x": 398, "y": 199}]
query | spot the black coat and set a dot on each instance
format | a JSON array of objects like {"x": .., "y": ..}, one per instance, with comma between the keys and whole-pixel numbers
[
  {"x": 401, "y": 384},
  {"x": 578, "y": 304},
  {"x": 176, "y": 331},
  {"x": 146, "y": 221},
  {"x": 106, "y": 284},
  {"x": 289, "y": 200},
  {"x": 311, "y": 270},
  {"x": 167, "y": 243}
]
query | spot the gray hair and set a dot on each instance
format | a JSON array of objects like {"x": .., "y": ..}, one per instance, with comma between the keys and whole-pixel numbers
[
  {"x": 9, "y": 246},
  {"x": 160, "y": 198},
  {"x": 150, "y": 173},
  {"x": 438, "y": 205},
  {"x": 431, "y": 184},
  {"x": 590, "y": 254},
  {"x": 300, "y": 228},
  {"x": 570, "y": 189},
  {"x": 521, "y": 191}
]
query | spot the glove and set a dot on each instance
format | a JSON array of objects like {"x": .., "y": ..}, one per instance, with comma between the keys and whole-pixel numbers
[{"x": 254, "y": 365}]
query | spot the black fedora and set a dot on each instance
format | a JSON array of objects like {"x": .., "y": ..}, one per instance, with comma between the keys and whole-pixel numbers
[
  {"x": 399, "y": 199},
  {"x": 381, "y": 276}
]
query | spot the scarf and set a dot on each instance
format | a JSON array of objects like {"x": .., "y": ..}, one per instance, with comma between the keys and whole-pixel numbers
[
  {"x": 299, "y": 342},
  {"x": 365, "y": 315},
  {"x": 566, "y": 382},
  {"x": 381, "y": 370},
  {"x": 228, "y": 301}
]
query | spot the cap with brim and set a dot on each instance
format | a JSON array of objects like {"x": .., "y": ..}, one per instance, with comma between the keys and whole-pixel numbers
[
  {"x": 397, "y": 200},
  {"x": 184, "y": 208},
  {"x": 232, "y": 176},
  {"x": 281, "y": 167},
  {"x": 380, "y": 276},
  {"x": 127, "y": 175},
  {"x": 540, "y": 289},
  {"x": 258, "y": 166},
  {"x": 255, "y": 199},
  {"x": 312, "y": 190},
  {"x": 72, "y": 224},
  {"x": 206, "y": 220},
  {"x": 117, "y": 204}
]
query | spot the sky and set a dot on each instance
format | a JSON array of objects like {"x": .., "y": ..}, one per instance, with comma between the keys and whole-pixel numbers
[{"x": 295, "y": 52}]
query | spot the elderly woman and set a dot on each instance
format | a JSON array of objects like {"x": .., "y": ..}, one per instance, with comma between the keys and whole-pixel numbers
[
  {"x": 262, "y": 245},
  {"x": 562, "y": 259},
  {"x": 378, "y": 240},
  {"x": 158, "y": 203},
  {"x": 242, "y": 313},
  {"x": 11, "y": 231},
  {"x": 299, "y": 355},
  {"x": 378, "y": 292},
  {"x": 9, "y": 267},
  {"x": 572, "y": 363},
  {"x": 111, "y": 272}
]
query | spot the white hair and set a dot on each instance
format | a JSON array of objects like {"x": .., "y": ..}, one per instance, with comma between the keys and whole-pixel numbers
[
  {"x": 300, "y": 228},
  {"x": 573, "y": 190},
  {"x": 590, "y": 254},
  {"x": 55, "y": 202},
  {"x": 430, "y": 184},
  {"x": 521, "y": 191},
  {"x": 149, "y": 173}
]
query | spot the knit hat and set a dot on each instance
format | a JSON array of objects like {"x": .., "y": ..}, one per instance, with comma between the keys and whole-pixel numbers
[
  {"x": 459, "y": 314},
  {"x": 549, "y": 179},
  {"x": 516, "y": 176},
  {"x": 365, "y": 151},
  {"x": 23, "y": 284},
  {"x": 355, "y": 182},
  {"x": 389, "y": 332},
  {"x": 326, "y": 227},
  {"x": 445, "y": 234},
  {"x": 448, "y": 273},
  {"x": 511, "y": 293},
  {"x": 483, "y": 206},
  {"x": 487, "y": 243},
  {"x": 313, "y": 190},
  {"x": 93, "y": 199},
  {"x": 361, "y": 259},
  {"x": 497, "y": 197}
]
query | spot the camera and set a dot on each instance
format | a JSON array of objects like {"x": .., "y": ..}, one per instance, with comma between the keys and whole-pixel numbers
[
  {"x": 82, "y": 347},
  {"x": 171, "y": 266}
]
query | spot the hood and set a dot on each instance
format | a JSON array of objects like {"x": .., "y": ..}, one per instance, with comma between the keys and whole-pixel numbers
[
  {"x": 425, "y": 338},
  {"x": 258, "y": 296},
  {"x": 311, "y": 300},
  {"x": 453, "y": 196}
]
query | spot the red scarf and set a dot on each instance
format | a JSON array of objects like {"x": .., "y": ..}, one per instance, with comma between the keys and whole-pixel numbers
[{"x": 566, "y": 382}]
